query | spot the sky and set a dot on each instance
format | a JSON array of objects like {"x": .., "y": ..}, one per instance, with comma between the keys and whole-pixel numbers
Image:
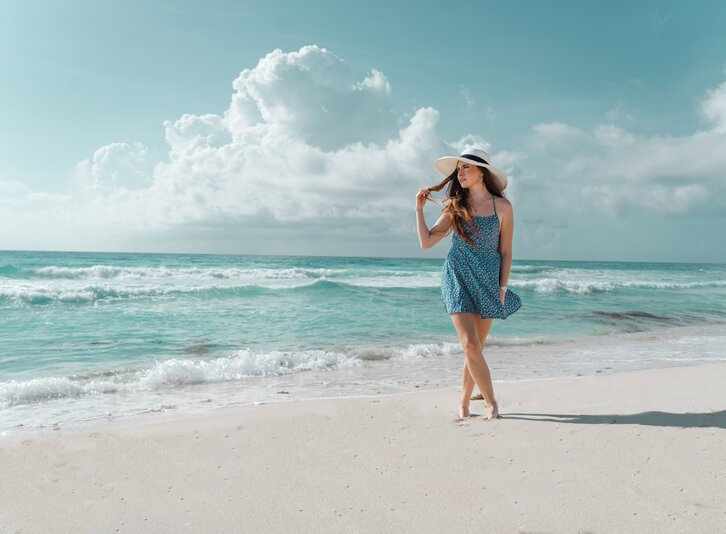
[{"x": 306, "y": 128}]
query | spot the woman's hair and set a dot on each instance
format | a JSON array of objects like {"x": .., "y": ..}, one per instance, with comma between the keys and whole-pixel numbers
[{"x": 456, "y": 202}]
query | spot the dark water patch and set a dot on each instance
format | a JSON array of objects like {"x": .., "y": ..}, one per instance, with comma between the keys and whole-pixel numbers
[
  {"x": 630, "y": 315},
  {"x": 632, "y": 321},
  {"x": 201, "y": 348}
]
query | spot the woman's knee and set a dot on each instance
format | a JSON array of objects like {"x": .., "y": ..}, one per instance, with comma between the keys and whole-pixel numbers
[{"x": 471, "y": 346}]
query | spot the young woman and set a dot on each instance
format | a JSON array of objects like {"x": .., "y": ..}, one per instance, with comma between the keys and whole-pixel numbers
[{"x": 476, "y": 269}]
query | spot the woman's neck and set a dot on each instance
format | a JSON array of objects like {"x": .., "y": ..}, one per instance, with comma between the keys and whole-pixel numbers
[{"x": 479, "y": 195}]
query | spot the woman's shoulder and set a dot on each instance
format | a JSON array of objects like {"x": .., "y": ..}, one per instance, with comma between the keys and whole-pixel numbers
[{"x": 502, "y": 203}]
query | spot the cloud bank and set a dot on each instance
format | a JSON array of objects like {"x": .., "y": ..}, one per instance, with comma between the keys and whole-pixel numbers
[{"x": 309, "y": 157}]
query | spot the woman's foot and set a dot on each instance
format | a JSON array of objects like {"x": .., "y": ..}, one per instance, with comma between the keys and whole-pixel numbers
[
  {"x": 463, "y": 411},
  {"x": 492, "y": 411}
]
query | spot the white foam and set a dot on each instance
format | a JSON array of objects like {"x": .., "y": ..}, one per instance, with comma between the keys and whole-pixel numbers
[
  {"x": 433, "y": 350},
  {"x": 428, "y": 350},
  {"x": 88, "y": 284},
  {"x": 585, "y": 285},
  {"x": 232, "y": 273},
  {"x": 553, "y": 285},
  {"x": 15, "y": 393},
  {"x": 176, "y": 372},
  {"x": 244, "y": 363}
]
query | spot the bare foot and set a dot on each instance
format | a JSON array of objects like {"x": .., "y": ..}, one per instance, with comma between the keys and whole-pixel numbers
[
  {"x": 463, "y": 411},
  {"x": 492, "y": 412}
]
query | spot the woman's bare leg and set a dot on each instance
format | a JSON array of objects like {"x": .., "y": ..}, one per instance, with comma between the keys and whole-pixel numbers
[
  {"x": 467, "y": 389},
  {"x": 466, "y": 325},
  {"x": 483, "y": 327}
]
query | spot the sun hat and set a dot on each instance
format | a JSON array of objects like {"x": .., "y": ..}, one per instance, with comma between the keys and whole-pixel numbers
[{"x": 476, "y": 156}]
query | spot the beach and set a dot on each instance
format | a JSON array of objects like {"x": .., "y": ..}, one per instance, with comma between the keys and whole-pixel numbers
[
  {"x": 637, "y": 451},
  {"x": 201, "y": 393},
  {"x": 235, "y": 238}
]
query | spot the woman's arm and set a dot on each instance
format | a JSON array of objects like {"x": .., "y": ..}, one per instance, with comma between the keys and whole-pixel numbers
[
  {"x": 504, "y": 208},
  {"x": 428, "y": 238}
]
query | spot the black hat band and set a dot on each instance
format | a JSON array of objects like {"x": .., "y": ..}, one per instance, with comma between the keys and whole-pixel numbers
[{"x": 475, "y": 158}]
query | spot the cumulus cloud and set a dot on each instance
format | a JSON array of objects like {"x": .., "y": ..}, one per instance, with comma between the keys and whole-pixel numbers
[
  {"x": 311, "y": 94},
  {"x": 615, "y": 170},
  {"x": 114, "y": 166},
  {"x": 305, "y": 144},
  {"x": 614, "y": 185},
  {"x": 310, "y": 153},
  {"x": 376, "y": 82}
]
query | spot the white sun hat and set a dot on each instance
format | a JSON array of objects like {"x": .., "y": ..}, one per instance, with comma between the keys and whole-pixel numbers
[{"x": 476, "y": 156}]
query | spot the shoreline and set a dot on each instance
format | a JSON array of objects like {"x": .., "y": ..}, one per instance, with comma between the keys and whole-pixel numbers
[
  {"x": 406, "y": 372},
  {"x": 622, "y": 452},
  {"x": 151, "y": 418}
]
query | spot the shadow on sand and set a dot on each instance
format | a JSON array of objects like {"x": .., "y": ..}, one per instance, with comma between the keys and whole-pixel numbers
[{"x": 680, "y": 420}]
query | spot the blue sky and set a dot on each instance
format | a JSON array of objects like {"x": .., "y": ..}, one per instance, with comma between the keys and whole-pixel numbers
[{"x": 121, "y": 129}]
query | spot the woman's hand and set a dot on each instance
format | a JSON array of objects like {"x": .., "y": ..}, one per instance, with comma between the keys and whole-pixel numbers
[
  {"x": 502, "y": 293},
  {"x": 422, "y": 196}
]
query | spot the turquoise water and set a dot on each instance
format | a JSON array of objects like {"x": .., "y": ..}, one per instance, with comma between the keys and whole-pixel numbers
[{"x": 101, "y": 325}]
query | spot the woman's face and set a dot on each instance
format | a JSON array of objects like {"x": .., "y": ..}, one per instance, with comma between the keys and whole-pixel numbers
[{"x": 468, "y": 174}]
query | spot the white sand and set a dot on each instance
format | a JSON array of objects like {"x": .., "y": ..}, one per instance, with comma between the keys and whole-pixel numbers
[{"x": 637, "y": 452}]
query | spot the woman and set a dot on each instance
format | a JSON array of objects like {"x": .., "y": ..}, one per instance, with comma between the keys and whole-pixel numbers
[{"x": 476, "y": 269}]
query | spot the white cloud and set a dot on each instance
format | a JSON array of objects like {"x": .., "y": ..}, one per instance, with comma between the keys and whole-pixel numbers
[
  {"x": 557, "y": 133},
  {"x": 191, "y": 132},
  {"x": 573, "y": 181},
  {"x": 117, "y": 165},
  {"x": 616, "y": 170},
  {"x": 306, "y": 149},
  {"x": 714, "y": 107},
  {"x": 274, "y": 159},
  {"x": 376, "y": 82},
  {"x": 312, "y": 95}
]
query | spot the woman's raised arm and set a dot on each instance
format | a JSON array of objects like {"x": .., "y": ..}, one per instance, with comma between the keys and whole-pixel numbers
[{"x": 428, "y": 238}]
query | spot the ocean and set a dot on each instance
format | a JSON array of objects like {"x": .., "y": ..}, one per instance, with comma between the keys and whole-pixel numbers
[{"x": 108, "y": 336}]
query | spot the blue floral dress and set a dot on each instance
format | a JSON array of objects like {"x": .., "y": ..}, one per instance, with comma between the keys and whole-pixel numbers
[{"x": 470, "y": 277}]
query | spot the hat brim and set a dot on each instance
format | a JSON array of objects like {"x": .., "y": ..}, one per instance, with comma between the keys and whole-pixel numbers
[{"x": 447, "y": 164}]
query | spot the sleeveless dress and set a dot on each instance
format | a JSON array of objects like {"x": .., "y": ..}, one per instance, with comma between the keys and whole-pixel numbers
[{"x": 470, "y": 277}]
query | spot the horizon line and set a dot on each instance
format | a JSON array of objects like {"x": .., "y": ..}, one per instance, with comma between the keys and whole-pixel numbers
[{"x": 346, "y": 257}]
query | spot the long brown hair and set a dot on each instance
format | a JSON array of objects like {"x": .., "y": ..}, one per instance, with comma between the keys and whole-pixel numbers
[{"x": 456, "y": 201}]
